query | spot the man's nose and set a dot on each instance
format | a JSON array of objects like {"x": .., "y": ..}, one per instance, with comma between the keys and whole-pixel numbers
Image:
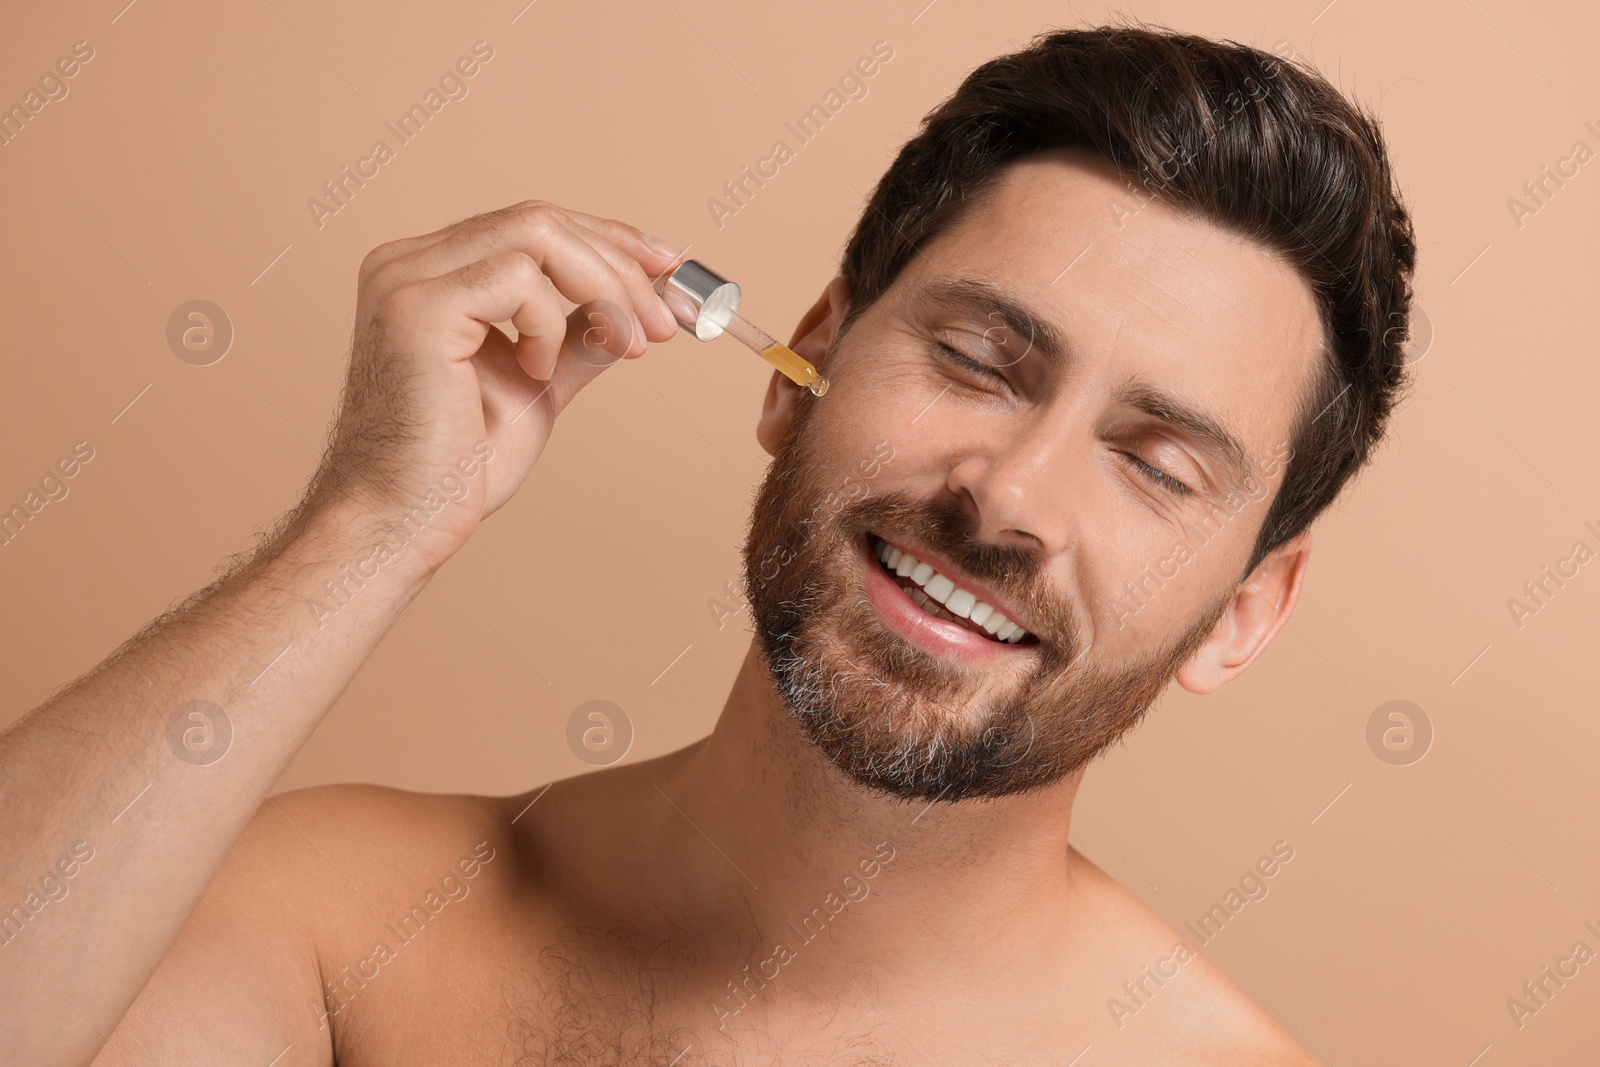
[{"x": 1030, "y": 483}]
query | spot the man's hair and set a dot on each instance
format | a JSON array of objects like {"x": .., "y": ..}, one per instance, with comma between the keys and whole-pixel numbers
[{"x": 1228, "y": 133}]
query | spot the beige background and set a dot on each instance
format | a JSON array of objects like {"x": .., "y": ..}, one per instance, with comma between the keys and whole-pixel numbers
[{"x": 179, "y": 167}]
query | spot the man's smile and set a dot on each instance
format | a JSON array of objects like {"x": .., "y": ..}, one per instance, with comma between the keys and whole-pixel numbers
[{"x": 939, "y": 611}]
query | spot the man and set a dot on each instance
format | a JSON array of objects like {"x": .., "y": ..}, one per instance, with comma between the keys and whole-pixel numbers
[{"x": 1117, "y": 324}]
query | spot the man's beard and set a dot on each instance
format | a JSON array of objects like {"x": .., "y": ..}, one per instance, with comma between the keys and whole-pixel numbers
[{"x": 889, "y": 714}]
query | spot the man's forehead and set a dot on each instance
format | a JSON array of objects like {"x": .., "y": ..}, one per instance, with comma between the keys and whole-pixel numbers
[{"x": 1141, "y": 288}]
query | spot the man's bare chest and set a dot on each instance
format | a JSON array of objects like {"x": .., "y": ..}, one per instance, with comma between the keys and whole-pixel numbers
[{"x": 569, "y": 1006}]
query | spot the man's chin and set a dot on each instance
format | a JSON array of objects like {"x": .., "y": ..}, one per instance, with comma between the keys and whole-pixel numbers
[
  {"x": 927, "y": 766},
  {"x": 893, "y": 735}
]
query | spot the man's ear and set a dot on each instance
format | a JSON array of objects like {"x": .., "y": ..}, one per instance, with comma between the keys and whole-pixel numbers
[
  {"x": 813, "y": 337},
  {"x": 1258, "y": 610}
]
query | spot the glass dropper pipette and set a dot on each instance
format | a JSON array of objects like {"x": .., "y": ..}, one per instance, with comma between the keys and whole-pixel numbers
[{"x": 707, "y": 304}]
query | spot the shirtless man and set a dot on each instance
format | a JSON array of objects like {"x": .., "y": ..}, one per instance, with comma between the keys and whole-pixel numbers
[{"x": 1116, "y": 326}]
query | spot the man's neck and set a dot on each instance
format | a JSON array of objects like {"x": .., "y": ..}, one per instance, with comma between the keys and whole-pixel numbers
[{"x": 966, "y": 877}]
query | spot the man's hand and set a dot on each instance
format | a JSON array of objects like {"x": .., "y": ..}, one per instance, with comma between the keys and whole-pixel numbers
[{"x": 430, "y": 377}]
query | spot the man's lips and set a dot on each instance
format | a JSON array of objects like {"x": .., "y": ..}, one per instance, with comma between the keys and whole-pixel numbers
[
  {"x": 943, "y": 638},
  {"x": 962, "y": 597}
]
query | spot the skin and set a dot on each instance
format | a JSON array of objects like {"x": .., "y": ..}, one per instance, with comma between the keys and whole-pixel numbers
[{"x": 604, "y": 917}]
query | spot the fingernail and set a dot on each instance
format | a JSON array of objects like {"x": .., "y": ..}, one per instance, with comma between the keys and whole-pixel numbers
[
  {"x": 662, "y": 245},
  {"x": 671, "y": 319}
]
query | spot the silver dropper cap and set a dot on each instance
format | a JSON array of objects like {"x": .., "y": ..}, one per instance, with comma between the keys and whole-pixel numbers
[{"x": 701, "y": 300}]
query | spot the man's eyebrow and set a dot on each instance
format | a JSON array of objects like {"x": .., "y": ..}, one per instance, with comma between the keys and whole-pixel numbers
[
  {"x": 987, "y": 301},
  {"x": 1207, "y": 432}
]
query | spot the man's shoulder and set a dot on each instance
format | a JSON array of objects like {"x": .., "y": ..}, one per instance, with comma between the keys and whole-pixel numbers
[
  {"x": 1161, "y": 994},
  {"x": 360, "y": 816},
  {"x": 336, "y": 852},
  {"x": 377, "y": 829},
  {"x": 308, "y": 887}
]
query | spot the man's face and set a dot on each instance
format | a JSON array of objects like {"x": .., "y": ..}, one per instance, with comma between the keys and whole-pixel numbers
[{"x": 1102, "y": 487}]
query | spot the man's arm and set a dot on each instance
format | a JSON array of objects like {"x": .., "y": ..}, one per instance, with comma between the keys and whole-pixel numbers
[
  {"x": 143, "y": 798},
  {"x": 124, "y": 792}
]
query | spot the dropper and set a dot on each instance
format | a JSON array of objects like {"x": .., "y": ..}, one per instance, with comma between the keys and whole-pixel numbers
[{"x": 707, "y": 304}]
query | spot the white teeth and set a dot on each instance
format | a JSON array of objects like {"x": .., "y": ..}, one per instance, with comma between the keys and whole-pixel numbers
[
  {"x": 960, "y": 602},
  {"x": 938, "y": 589}
]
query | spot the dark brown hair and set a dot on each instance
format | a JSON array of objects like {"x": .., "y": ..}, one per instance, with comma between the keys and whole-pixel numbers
[{"x": 1250, "y": 141}]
